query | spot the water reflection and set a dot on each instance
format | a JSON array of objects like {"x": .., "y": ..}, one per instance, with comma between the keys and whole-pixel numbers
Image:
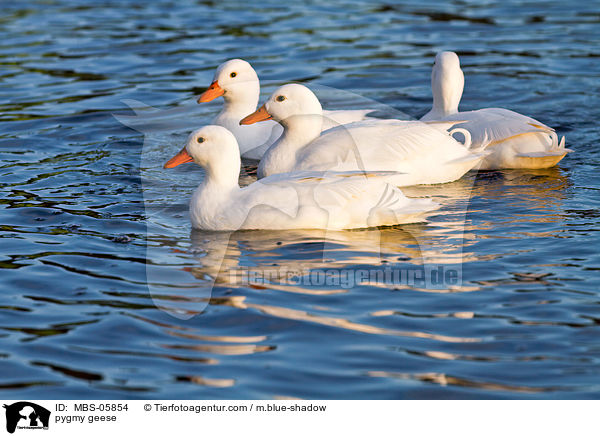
[
  {"x": 445, "y": 380},
  {"x": 300, "y": 315}
]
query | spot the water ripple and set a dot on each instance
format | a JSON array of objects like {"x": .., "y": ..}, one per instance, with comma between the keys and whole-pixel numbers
[{"x": 107, "y": 293}]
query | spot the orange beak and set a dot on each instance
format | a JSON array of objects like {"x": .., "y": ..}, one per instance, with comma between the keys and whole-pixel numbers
[
  {"x": 213, "y": 91},
  {"x": 260, "y": 115},
  {"x": 180, "y": 158}
]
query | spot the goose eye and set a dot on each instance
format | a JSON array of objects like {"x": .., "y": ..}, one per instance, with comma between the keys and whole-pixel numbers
[
  {"x": 200, "y": 140},
  {"x": 233, "y": 74},
  {"x": 280, "y": 98}
]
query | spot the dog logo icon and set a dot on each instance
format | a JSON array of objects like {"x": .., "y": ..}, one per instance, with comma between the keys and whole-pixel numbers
[{"x": 26, "y": 415}]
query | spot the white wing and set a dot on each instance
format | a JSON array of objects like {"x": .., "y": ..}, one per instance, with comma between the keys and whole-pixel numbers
[
  {"x": 351, "y": 199},
  {"x": 497, "y": 124},
  {"x": 378, "y": 145}
]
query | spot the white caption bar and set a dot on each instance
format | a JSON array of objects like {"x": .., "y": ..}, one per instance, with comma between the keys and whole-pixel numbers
[{"x": 291, "y": 417}]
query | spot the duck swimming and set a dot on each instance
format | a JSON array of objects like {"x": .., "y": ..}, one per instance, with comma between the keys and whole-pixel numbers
[
  {"x": 238, "y": 84},
  {"x": 513, "y": 140},
  {"x": 305, "y": 200},
  {"x": 424, "y": 154}
]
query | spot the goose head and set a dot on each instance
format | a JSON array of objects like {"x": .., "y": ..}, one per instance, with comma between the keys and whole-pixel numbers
[
  {"x": 289, "y": 105},
  {"x": 236, "y": 81},
  {"x": 215, "y": 149},
  {"x": 447, "y": 83}
]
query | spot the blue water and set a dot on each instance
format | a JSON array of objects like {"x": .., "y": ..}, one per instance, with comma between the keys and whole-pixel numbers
[{"x": 106, "y": 292}]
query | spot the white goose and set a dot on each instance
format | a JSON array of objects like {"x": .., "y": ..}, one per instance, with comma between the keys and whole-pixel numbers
[
  {"x": 425, "y": 155},
  {"x": 306, "y": 200},
  {"x": 514, "y": 140},
  {"x": 238, "y": 83}
]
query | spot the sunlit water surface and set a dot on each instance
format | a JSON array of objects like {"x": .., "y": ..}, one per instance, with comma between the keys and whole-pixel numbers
[{"x": 107, "y": 293}]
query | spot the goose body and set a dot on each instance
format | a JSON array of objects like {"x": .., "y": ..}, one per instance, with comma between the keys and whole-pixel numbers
[
  {"x": 513, "y": 140},
  {"x": 238, "y": 84},
  {"x": 425, "y": 154},
  {"x": 307, "y": 200}
]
